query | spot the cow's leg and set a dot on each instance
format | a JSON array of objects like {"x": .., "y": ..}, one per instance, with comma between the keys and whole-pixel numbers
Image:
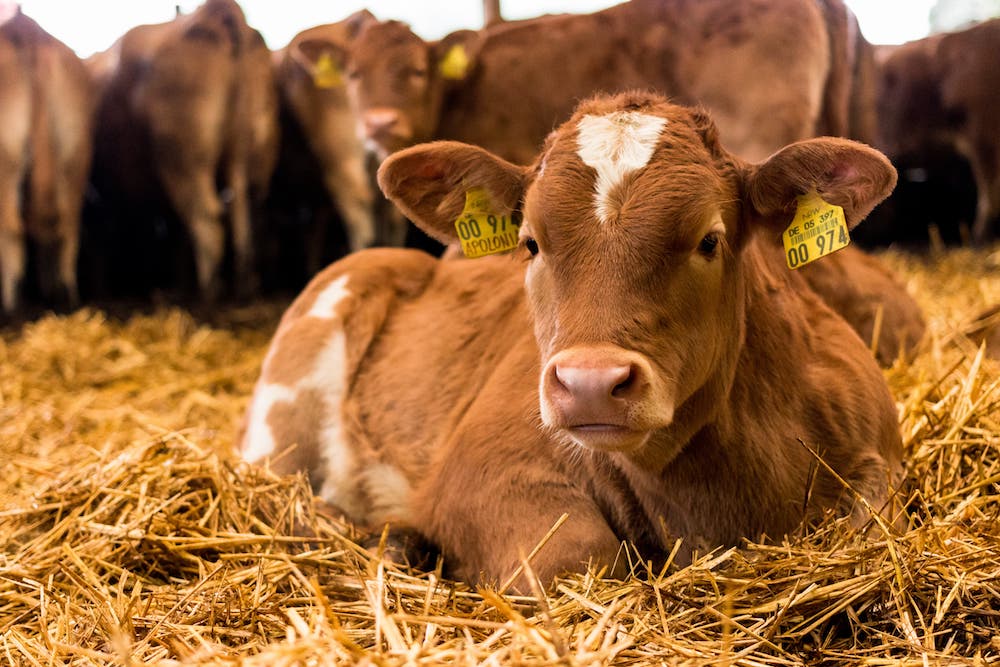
[
  {"x": 12, "y": 249},
  {"x": 488, "y": 515},
  {"x": 69, "y": 207},
  {"x": 986, "y": 171},
  {"x": 495, "y": 492},
  {"x": 193, "y": 196},
  {"x": 239, "y": 219},
  {"x": 349, "y": 185}
]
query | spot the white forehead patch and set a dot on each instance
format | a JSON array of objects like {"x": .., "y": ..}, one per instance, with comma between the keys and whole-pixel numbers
[{"x": 615, "y": 145}]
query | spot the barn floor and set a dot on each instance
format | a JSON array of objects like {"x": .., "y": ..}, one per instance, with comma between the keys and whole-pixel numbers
[{"x": 128, "y": 533}]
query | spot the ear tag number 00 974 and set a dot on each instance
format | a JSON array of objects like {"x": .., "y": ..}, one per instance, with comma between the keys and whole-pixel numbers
[
  {"x": 817, "y": 229},
  {"x": 482, "y": 231}
]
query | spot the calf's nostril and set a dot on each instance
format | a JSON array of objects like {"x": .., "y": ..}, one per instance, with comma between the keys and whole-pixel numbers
[{"x": 624, "y": 386}]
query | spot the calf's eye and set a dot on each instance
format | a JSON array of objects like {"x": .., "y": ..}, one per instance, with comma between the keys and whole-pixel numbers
[
  {"x": 532, "y": 246},
  {"x": 709, "y": 244}
]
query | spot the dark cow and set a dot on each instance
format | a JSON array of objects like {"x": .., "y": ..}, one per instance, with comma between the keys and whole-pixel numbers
[
  {"x": 945, "y": 89},
  {"x": 188, "y": 109},
  {"x": 643, "y": 362}
]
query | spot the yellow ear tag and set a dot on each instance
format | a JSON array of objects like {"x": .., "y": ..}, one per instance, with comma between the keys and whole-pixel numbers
[
  {"x": 817, "y": 229},
  {"x": 327, "y": 74},
  {"x": 455, "y": 63},
  {"x": 481, "y": 230}
]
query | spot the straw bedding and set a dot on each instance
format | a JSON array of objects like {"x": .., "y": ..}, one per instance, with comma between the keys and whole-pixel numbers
[{"x": 129, "y": 534}]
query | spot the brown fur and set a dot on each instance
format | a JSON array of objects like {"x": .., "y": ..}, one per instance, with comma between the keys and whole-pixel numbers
[
  {"x": 444, "y": 380},
  {"x": 946, "y": 88},
  {"x": 46, "y": 114},
  {"x": 857, "y": 286},
  {"x": 196, "y": 98},
  {"x": 849, "y": 96},
  {"x": 986, "y": 330},
  {"x": 771, "y": 72}
]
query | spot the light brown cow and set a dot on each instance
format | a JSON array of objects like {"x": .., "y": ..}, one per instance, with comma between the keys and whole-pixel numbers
[
  {"x": 309, "y": 74},
  {"x": 45, "y": 143},
  {"x": 761, "y": 68},
  {"x": 196, "y": 99},
  {"x": 946, "y": 89},
  {"x": 640, "y": 362}
]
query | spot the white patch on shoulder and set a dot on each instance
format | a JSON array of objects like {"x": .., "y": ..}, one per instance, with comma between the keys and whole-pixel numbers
[
  {"x": 329, "y": 376},
  {"x": 325, "y": 304},
  {"x": 615, "y": 145},
  {"x": 366, "y": 492},
  {"x": 341, "y": 485},
  {"x": 258, "y": 443}
]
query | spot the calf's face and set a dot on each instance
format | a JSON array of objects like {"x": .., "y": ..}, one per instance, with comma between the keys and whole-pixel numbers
[
  {"x": 629, "y": 234},
  {"x": 391, "y": 88},
  {"x": 636, "y": 225}
]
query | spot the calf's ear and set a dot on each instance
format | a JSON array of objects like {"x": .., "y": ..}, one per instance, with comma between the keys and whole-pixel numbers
[
  {"x": 455, "y": 54},
  {"x": 428, "y": 183},
  {"x": 322, "y": 60},
  {"x": 844, "y": 173}
]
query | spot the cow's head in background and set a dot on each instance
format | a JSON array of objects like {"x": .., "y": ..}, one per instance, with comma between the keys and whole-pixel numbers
[
  {"x": 397, "y": 82},
  {"x": 637, "y": 237}
]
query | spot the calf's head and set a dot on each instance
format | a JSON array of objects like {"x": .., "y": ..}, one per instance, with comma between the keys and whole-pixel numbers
[
  {"x": 635, "y": 239},
  {"x": 396, "y": 82}
]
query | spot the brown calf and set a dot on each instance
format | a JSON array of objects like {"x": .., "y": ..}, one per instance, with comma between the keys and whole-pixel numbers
[
  {"x": 45, "y": 140},
  {"x": 643, "y": 361},
  {"x": 945, "y": 89}
]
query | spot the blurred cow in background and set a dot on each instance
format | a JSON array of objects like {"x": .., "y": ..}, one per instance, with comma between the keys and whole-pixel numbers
[
  {"x": 942, "y": 93},
  {"x": 188, "y": 115},
  {"x": 45, "y": 148},
  {"x": 770, "y": 72}
]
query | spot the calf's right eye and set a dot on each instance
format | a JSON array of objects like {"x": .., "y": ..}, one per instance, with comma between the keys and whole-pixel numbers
[{"x": 532, "y": 246}]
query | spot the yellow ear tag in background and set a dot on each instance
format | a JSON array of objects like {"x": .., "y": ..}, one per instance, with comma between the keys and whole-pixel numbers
[
  {"x": 327, "y": 74},
  {"x": 817, "y": 229},
  {"x": 455, "y": 63},
  {"x": 481, "y": 230}
]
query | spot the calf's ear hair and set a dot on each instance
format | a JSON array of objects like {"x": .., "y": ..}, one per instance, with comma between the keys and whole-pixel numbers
[
  {"x": 428, "y": 183},
  {"x": 844, "y": 173}
]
